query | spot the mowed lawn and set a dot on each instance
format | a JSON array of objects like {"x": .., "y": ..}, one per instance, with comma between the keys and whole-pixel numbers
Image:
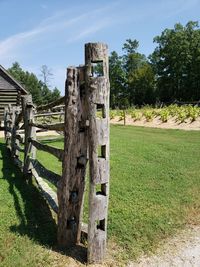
[{"x": 154, "y": 190}]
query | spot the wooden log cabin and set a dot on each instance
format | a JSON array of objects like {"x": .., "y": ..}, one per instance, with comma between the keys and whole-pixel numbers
[{"x": 10, "y": 92}]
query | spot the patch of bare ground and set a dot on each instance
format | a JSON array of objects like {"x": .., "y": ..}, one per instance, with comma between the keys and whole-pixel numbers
[
  {"x": 183, "y": 249},
  {"x": 172, "y": 123}
]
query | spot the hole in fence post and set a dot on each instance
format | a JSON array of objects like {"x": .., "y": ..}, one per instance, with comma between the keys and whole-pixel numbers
[
  {"x": 102, "y": 152},
  {"x": 100, "y": 111},
  {"x": 97, "y": 69},
  {"x": 101, "y": 189},
  {"x": 101, "y": 224}
]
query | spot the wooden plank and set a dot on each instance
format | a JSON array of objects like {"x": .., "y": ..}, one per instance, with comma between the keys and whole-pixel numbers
[
  {"x": 51, "y": 105},
  {"x": 11, "y": 93},
  {"x": 47, "y": 192},
  {"x": 53, "y": 126},
  {"x": 5, "y": 98},
  {"x": 58, "y": 153},
  {"x": 48, "y": 114},
  {"x": 71, "y": 186},
  {"x": 18, "y": 148},
  {"x": 7, "y": 101},
  {"x": 19, "y": 163},
  {"x": 97, "y": 96},
  {"x": 8, "y": 89},
  {"x": 45, "y": 173},
  {"x": 20, "y": 137}
]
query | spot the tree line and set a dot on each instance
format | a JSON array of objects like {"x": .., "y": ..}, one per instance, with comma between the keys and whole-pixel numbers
[
  {"x": 170, "y": 73},
  {"x": 39, "y": 88}
]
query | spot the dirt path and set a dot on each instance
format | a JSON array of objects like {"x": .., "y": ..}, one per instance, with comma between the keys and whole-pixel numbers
[{"x": 183, "y": 250}]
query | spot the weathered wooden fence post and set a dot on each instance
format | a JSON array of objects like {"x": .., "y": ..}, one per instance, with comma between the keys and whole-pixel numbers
[
  {"x": 8, "y": 124},
  {"x": 98, "y": 100},
  {"x": 71, "y": 185},
  {"x": 5, "y": 123},
  {"x": 29, "y": 132},
  {"x": 13, "y": 131}
]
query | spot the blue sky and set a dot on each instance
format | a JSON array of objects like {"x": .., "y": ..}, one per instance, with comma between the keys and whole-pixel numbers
[{"x": 53, "y": 32}]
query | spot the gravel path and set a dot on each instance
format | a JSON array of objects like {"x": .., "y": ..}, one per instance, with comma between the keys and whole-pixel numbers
[{"x": 182, "y": 250}]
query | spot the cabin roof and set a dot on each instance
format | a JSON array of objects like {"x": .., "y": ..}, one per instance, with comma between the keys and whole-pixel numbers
[{"x": 13, "y": 80}]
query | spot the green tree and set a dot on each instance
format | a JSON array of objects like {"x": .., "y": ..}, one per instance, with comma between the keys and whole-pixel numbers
[
  {"x": 139, "y": 75},
  {"x": 28, "y": 80},
  {"x": 40, "y": 92},
  {"x": 176, "y": 61},
  {"x": 117, "y": 80},
  {"x": 142, "y": 82}
]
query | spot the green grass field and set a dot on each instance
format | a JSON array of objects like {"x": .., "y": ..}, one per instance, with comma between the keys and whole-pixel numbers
[{"x": 154, "y": 190}]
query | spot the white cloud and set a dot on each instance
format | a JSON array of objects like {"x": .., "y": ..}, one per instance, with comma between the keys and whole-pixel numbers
[{"x": 60, "y": 21}]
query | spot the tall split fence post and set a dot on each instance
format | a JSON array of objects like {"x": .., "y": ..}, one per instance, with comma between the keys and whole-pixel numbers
[
  {"x": 8, "y": 124},
  {"x": 98, "y": 91},
  {"x": 71, "y": 186},
  {"x": 15, "y": 128},
  {"x": 29, "y": 132}
]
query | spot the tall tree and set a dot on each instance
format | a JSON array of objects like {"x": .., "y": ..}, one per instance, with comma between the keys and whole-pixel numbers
[
  {"x": 139, "y": 75},
  {"x": 40, "y": 92},
  {"x": 118, "y": 88},
  {"x": 46, "y": 75},
  {"x": 176, "y": 60}
]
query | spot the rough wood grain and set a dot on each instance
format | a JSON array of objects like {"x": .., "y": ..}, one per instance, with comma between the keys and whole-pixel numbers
[
  {"x": 58, "y": 153},
  {"x": 47, "y": 192},
  {"x": 30, "y": 132},
  {"x": 48, "y": 114},
  {"x": 55, "y": 126},
  {"x": 98, "y": 98},
  {"x": 71, "y": 186},
  {"x": 43, "y": 172}
]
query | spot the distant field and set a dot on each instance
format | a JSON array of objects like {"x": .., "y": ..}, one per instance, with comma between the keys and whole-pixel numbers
[
  {"x": 187, "y": 113},
  {"x": 154, "y": 190}
]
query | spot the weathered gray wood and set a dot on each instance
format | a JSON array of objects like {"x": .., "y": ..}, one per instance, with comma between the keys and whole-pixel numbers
[
  {"x": 17, "y": 147},
  {"x": 51, "y": 105},
  {"x": 47, "y": 192},
  {"x": 52, "y": 150},
  {"x": 55, "y": 126},
  {"x": 8, "y": 126},
  {"x": 15, "y": 127},
  {"x": 71, "y": 186},
  {"x": 30, "y": 132},
  {"x": 45, "y": 173},
  {"x": 98, "y": 96},
  {"x": 20, "y": 137},
  {"x": 48, "y": 114},
  {"x": 19, "y": 118}
]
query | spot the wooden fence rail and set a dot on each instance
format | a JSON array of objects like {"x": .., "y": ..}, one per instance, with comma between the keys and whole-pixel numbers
[{"x": 86, "y": 140}]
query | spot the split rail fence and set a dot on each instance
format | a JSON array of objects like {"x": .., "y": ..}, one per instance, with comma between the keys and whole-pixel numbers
[{"x": 85, "y": 111}]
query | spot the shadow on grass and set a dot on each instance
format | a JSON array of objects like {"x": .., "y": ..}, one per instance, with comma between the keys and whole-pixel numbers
[{"x": 35, "y": 217}]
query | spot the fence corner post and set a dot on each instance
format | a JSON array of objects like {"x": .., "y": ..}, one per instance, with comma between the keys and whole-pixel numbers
[
  {"x": 29, "y": 132},
  {"x": 98, "y": 91}
]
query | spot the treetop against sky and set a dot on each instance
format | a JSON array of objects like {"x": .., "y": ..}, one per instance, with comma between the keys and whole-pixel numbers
[{"x": 53, "y": 33}]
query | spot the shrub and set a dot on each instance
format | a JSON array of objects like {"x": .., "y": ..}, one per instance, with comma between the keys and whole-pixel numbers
[
  {"x": 136, "y": 115},
  {"x": 164, "y": 115},
  {"x": 148, "y": 114}
]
